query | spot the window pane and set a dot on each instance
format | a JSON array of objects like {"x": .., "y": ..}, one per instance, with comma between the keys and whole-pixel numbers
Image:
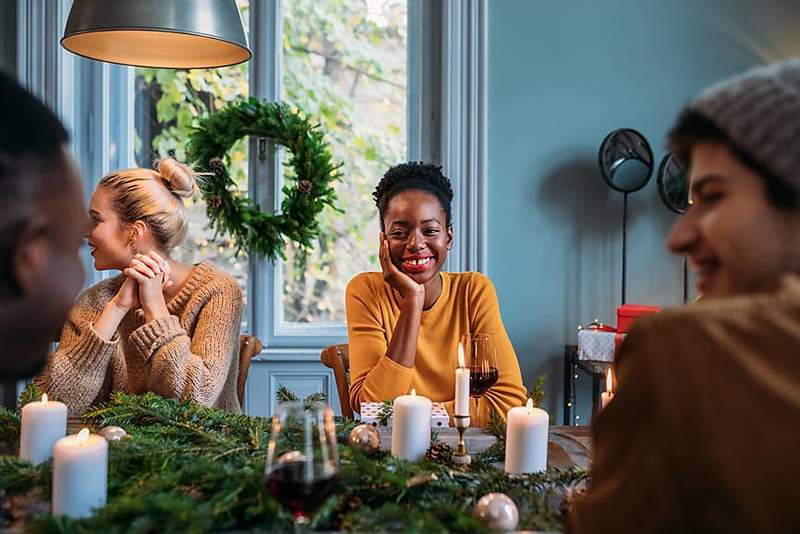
[
  {"x": 345, "y": 64},
  {"x": 168, "y": 104}
]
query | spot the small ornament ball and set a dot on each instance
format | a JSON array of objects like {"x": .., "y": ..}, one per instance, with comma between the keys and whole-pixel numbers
[
  {"x": 112, "y": 433},
  {"x": 497, "y": 511},
  {"x": 366, "y": 438}
]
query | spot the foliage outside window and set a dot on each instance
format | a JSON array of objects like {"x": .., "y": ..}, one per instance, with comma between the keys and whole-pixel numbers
[{"x": 345, "y": 62}]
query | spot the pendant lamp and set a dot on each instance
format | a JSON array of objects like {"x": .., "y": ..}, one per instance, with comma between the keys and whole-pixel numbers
[{"x": 186, "y": 34}]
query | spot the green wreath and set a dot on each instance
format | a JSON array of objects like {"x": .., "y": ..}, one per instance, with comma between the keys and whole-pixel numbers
[{"x": 308, "y": 189}]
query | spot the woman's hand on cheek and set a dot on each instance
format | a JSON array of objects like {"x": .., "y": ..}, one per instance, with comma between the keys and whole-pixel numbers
[
  {"x": 151, "y": 295},
  {"x": 403, "y": 283}
]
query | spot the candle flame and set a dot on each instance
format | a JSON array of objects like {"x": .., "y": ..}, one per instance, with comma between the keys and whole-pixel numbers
[
  {"x": 413, "y": 392},
  {"x": 44, "y": 398},
  {"x": 83, "y": 436},
  {"x": 529, "y": 404},
  {"x": 609, "y": 382},
  {"x": 461, "y": 355}
]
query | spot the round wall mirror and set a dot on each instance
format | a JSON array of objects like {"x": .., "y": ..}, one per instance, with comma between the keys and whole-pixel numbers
[
  {"x": 673, "y": 184},
  {"x": 626, "y": 161}
]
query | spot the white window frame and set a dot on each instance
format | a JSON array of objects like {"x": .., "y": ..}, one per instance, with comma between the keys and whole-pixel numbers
[{"x": 446, "y": 125}]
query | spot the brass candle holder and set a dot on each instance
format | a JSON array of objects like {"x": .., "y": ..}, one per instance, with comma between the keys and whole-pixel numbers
[{"x": 461, "y": 456}]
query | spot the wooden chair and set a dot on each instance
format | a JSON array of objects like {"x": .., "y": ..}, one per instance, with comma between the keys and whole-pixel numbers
[
  {"x": 337, "y": 357},
  {"x": 249, "y": 346}
]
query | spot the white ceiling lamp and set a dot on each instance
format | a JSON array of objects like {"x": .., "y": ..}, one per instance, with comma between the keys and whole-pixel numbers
[{"x": 187, "y": 34}]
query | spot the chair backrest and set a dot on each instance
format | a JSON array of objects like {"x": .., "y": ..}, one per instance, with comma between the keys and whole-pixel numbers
[
  {"x": 337, "y": 357},
  {"x": 249, "y": 346}
]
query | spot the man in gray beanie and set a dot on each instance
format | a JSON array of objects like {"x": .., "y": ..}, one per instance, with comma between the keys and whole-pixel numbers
[{"x": 703, "y": 433}]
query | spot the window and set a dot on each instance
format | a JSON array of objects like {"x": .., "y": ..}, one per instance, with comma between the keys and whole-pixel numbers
[{"x": 344, "y": 62}]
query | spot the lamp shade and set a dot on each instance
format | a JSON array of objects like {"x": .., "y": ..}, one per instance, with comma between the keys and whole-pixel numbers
[{"x": 158, "y": 33}]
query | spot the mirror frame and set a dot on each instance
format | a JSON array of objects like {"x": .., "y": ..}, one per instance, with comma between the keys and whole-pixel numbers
[
  {"x": 661, "y": 186},
  {"x": 601, "y": 162}
]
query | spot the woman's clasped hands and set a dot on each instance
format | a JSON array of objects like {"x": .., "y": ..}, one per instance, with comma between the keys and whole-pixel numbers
[{"x": 146, "y": 278}]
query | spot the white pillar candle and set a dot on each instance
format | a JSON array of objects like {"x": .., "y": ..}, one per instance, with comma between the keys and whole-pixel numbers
[
  {"x": 608, "y": 394},
  {"x": 43, "y": 423},
  {"x": 462, "y": 385},
  {"x": 411, "y": 426},
  {"x": 80, "y": 474},
  {"x": 526, "y": 439}
]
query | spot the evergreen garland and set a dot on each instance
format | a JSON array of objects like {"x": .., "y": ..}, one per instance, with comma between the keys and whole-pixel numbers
[
  {"x": 187, "y": 468},
  {"x": 309, "y": 185}
]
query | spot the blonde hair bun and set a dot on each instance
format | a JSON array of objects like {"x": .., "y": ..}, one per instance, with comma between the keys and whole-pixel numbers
[{"x": 179, "y": 177}]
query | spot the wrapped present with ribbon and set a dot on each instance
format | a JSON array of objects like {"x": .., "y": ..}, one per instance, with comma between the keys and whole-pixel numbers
[
  {"x": 374, "y": 413},
  {"x": 598, "y": 342},
  {"x": 627, "y": 314}
]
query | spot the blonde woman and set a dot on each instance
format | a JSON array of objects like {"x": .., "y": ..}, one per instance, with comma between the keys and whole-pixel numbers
[{"x": 161, "y": 325}]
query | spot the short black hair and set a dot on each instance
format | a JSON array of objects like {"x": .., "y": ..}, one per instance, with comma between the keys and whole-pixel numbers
[
  {"x": 692, "y": 127},
  {"x": 414, "y": 175},
  {"x": 32, "y": 139}
]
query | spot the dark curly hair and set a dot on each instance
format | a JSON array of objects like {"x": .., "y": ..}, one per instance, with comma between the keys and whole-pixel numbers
[{"x": 414, "y": 175}]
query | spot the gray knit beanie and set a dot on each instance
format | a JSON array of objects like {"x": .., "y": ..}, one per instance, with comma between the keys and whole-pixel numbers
[{"x": 760, "y": 111}]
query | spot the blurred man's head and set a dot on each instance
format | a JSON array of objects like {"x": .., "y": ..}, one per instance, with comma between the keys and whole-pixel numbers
[
  {"x": 741, "y": 141},
  {"x": 42, "y": 221}
]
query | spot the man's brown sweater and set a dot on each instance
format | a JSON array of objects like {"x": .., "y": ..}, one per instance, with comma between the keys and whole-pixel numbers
[{"x": 703, "y": 434}]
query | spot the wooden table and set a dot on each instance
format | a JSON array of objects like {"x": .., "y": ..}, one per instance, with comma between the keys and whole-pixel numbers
[{"x": 569, "y": 445}]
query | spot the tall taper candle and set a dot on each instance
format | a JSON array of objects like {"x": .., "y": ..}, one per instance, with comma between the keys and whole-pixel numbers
[
  {"x": 462, "y": 385},
  {"x": 526, "y": 439},
  {"x": 80, "y": 474},
  {"x": 43, "y": 423},
  {"x": 411, "y": 426},
  {"x": 608, "y": 395}
]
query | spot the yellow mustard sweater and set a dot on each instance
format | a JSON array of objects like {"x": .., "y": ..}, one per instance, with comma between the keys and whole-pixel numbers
[{"x": 468, "y": 305}]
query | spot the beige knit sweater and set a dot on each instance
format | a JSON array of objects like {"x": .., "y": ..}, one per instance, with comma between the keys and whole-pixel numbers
[{"x": 192, "y": 354}]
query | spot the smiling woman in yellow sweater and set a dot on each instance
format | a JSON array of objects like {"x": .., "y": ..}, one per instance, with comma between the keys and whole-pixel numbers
[
  {"x": 405, "y": 323},
  {"x": 162, "y": 325}
]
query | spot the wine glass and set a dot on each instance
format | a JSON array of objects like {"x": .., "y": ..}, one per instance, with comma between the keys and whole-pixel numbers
[
  {"x": 302, "y": 459},
  {"x": 482, "y": 357}
]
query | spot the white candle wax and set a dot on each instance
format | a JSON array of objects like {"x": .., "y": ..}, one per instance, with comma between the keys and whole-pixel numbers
[
  {"x": 43, "y": 423},
  {"x": 462, "y": 385},
  {"x": 526, "y": 439},
  {"x": 605, "y": 398},
  {"x": 80, "y": 474},
  {"x": 411, "y": 427},
  {"x": 608, "y": 394}
]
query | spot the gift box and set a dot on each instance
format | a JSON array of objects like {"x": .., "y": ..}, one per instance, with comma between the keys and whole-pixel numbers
[
  {"x": 370, "y": 412},
  {"x": 598, "y": 345},
  {"x": 628, "y": 313}
]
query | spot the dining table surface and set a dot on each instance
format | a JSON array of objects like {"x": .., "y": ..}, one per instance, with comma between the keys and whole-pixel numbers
[{"x": 568, "y": 446}]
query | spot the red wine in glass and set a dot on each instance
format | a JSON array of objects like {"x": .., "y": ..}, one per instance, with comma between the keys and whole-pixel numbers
[
  {"x": 302, "y": 497},
  {"x": 301, "y": 480},
  {"x": 481, "y": 379}
]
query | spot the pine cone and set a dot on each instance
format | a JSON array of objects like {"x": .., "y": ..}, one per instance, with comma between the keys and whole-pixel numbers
[
  {"x": 440, "y": 452},
  {"x": 216, "y": 165},
  {"x": 304, "y": 186}
]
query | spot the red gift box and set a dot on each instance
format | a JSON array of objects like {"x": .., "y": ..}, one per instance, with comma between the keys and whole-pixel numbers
[{"x": 628, "y": 313}]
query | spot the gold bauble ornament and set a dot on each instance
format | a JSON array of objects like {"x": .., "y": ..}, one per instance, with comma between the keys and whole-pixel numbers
[
  {"x": 112, "y": 433},
  {"x": 366, "y": 438},
  {"x": 497, "y": 511}
]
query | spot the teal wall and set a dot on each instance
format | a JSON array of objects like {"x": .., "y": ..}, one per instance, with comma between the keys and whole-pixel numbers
[{"x": 562, "y": 74}]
